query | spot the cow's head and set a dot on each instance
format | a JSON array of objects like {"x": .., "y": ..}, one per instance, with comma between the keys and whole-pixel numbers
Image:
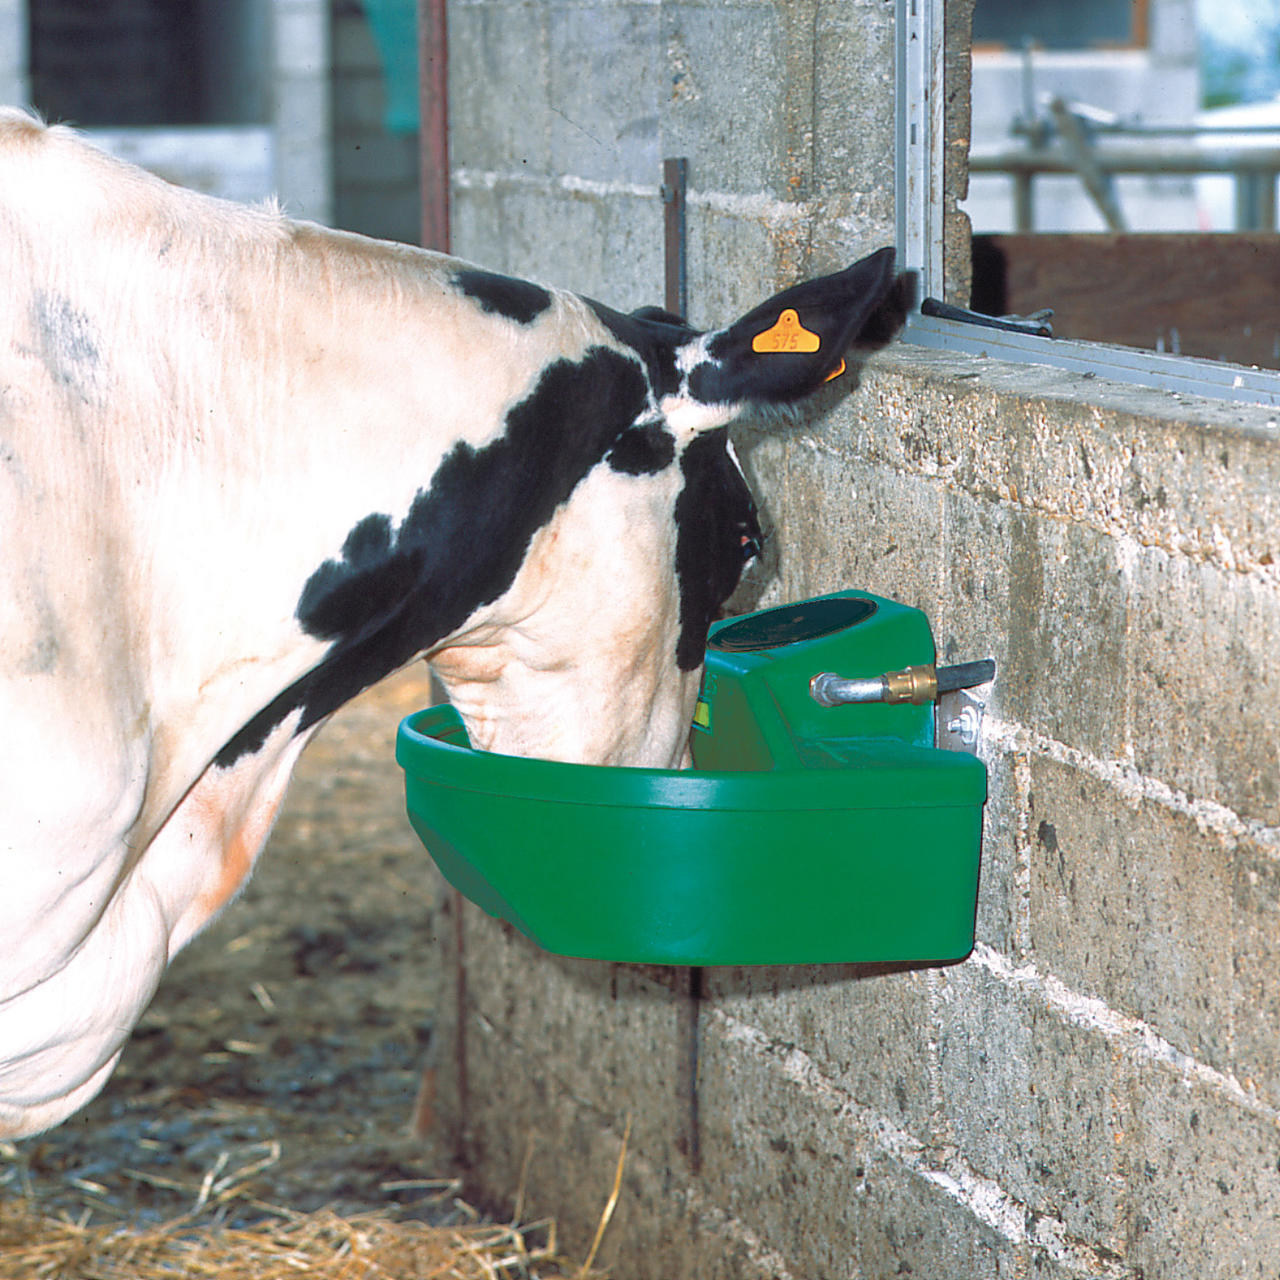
[{"x": 627, "y": 553}]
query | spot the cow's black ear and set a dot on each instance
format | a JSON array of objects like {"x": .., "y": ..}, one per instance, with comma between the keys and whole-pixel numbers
[{"x": 788, "y": 347}]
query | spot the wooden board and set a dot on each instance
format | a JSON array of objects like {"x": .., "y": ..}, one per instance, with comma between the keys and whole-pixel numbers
[{"x": 1216, "y": 296}]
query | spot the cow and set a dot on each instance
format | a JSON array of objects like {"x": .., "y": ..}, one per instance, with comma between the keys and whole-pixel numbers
[{"x": 250, "y": 466}]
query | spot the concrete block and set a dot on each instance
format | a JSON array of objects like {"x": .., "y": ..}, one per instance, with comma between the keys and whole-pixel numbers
[
  {"x": 940, "y": 427},
  {"x": 1003, "y": 903},
  {"x": 540, "y": 1146},
  {"x": 847, "y": 225},
  {"x": 738, "y": 257},
  {"x": 1049, "y": 600},
  {"x": 840, "y": 1201},
  {"x": 853, "y": 108},
  {"x": 609, "y": 1034},
  {"x": 1255, "y": 961},
  {"x": 1203, "y": 1183},
  {"x": 1130, "y": 903},
  {"x": 603, "y": 92},
  {"x": 859, "y": 526},
  {"x": 739, "y": 95},
  {"x": 608, "y": 250},
  {"x": 569, "y": 1155},
  {"x": 499, "y": 110},
  {"x": 864, "y": 1027},
  {"x": 1206, "y": 704},
  {"x": 1121, "y": 460},
  {"x": 1030, "y": 1099}
]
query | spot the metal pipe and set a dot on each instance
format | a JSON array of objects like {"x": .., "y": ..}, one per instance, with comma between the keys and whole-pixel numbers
[
  {"x": 831, "y": 690},
  {"x": 916, "y": 685},
  {"x": 433, "y": 91},
  {"x": 1149, "y": 160},
  {"x": 1083, "y": 154}
]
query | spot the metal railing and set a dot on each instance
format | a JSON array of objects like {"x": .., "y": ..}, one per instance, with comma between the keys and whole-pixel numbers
[{"x": 1071, "y": 145}]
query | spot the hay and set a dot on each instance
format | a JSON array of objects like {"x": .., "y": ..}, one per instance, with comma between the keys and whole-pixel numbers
[
  {"x": 230, "y": 1232},
  {"x": 283, "y": 1246}
]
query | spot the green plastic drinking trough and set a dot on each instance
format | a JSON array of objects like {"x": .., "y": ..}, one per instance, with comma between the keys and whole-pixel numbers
[{"x": 803, "y": 833}]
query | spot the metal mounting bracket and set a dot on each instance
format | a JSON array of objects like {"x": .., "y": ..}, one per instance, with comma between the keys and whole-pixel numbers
[{"x": 959, "y": 721}]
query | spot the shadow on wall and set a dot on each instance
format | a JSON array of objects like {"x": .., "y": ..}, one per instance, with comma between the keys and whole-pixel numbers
[{"x": 600, "y": 977}]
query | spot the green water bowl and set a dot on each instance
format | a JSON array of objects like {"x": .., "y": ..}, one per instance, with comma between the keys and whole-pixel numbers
[{"x": 801, "y": 835}]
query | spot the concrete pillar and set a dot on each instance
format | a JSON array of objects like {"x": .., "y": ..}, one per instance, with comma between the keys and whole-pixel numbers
[
  {"x": 14, "y": 86},
  {"x": 300, "y": 30}
]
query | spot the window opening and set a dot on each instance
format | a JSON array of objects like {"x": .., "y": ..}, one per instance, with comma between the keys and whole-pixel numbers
[
  {"x": 1053, "y": 25},
  {"x": 1108, "y": 276},
  {"x": 149, "y": 62}
]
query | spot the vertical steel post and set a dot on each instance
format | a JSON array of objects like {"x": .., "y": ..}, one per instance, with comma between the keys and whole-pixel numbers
[
  {"x": 687, "y": 989},
  {"x": 1255, "y": 199},
  {"x": 675, "y": 185},
  {"x": 1024, "y": 200},
  {"x": 919, "y": 109}
]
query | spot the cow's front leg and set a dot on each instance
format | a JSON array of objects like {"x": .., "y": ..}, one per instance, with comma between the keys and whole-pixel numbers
[{"x": 205, "y": 852}]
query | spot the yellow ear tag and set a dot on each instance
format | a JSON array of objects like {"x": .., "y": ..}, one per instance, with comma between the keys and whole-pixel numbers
[
  {"x": 788, "y": 334},
  {"x": 835, "y": 373}
]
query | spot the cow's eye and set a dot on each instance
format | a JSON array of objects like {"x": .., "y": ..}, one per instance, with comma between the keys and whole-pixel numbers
[{"x": 752, "y": 546}]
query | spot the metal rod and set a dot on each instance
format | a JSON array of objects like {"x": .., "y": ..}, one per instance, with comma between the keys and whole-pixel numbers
[
  {"x": 689, "y": 1038},
  {"x": 1084, "y": 157},
  {"x": 1024, "y": 201},
  {"x": 1153, "y": 160},
  {"x": 1123, "y": 129},
  {"x": 675, "y": 185}
]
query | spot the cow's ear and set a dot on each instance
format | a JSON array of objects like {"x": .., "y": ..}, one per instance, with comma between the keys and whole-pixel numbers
[{"x": 788, "y": 347}]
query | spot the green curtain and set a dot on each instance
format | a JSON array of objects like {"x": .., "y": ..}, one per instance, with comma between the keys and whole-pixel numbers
[{"x": 395, "y": 31}]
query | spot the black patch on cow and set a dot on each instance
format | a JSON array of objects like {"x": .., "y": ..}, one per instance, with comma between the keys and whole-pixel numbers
[
  {"x": 643, "y": 450},
  {"x": 717, "y": 532},
  {"x": 654, "y": 340},
  {"x": 518, "y": 300},
  {"x": 390, "y": 596},
  {"x": 663, "y": 316}
]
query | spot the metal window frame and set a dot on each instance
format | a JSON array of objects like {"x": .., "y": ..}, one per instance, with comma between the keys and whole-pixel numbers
[{"x": 920, "y": 140}]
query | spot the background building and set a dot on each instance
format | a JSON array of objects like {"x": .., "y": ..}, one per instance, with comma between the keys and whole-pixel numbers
[{"x": 242, "y": 98}]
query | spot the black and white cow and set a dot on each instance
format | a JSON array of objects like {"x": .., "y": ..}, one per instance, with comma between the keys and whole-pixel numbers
[{"x": 248, "y": 467}]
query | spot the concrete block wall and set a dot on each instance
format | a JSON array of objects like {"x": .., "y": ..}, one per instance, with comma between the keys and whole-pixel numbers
[
  {"x": 561, "y": 114},
  {"x": 1095, "y": 1092}
]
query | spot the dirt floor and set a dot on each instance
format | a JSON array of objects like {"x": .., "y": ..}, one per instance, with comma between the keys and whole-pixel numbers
[{"x": 280, "y": 1060}]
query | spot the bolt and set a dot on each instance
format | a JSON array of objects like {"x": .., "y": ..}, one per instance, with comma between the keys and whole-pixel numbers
[{"x": 965, "y": 726}]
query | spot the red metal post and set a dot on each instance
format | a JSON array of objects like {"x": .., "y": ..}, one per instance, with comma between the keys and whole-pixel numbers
[
  {"x": 433, "y": 100},
  {"x": 433, "y": 90}
]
